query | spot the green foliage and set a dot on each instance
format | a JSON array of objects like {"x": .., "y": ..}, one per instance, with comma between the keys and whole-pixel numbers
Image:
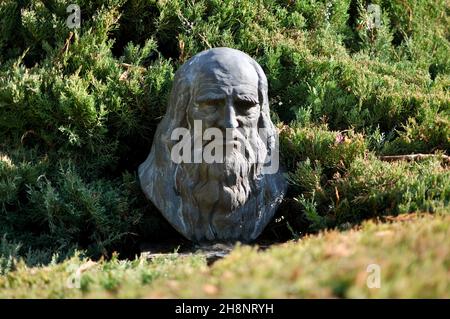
[
  {"x": 53, "y": 207},
  {"x": 411, "y": 252},
  {"x": 9, "y": 253},
  {"x": 79, "y": 107},
  {"x": 336, "y": 181}
]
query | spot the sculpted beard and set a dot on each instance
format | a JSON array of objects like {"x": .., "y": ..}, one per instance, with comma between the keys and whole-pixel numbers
[{"x": 227, "y": 185}]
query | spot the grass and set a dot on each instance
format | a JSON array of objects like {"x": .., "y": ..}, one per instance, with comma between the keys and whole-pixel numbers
[{"x": 412, "y": 251}]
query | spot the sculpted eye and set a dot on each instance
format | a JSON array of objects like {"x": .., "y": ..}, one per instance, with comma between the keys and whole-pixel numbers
[
  {"x": 245, "y": 105},
  {"x": 211, "y": 103}
]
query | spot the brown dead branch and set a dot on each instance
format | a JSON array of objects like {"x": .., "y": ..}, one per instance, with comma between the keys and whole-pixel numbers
[{"x": 414, "y": 157}]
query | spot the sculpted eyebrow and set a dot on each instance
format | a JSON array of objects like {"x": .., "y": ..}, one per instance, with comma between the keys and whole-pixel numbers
[
  {"x": 247, "y": 98},
  {"x": 209, "y": 97}
]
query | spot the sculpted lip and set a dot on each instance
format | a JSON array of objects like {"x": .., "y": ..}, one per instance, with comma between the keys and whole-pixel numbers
[{"x": 223, "y": 142}]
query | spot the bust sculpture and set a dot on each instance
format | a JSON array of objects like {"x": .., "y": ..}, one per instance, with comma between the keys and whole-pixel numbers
[{"x": 220, "y": 182}]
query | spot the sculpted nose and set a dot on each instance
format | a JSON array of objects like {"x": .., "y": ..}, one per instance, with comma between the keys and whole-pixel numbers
[{"x": 229, "y": 119}]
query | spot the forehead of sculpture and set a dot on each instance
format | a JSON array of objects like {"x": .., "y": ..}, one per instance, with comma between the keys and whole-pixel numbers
[{"x": 223, "y": 70}]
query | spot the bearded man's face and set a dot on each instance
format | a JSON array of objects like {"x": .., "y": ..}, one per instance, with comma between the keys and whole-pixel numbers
[
  {"x": 224, "y": 97},
  {"x": 232, "y": 197}
]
